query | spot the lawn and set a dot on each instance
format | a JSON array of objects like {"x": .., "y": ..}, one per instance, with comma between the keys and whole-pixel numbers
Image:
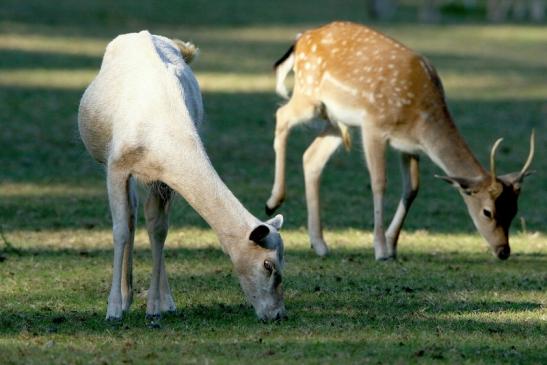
[{"x": 446, "y": 299}]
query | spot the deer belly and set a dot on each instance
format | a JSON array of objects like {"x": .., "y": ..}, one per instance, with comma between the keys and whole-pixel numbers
[
  {"x": 404, "y": 145},
  {"x": 350, "y": 116}
]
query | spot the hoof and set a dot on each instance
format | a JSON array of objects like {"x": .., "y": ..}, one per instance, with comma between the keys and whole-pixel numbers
[
  {"x": 152, "y": 317},
  {"x": 320, "y": 248},
  {"x": 154, "y": 325},
  {"x": 270, "y": 211},
  {"x": 114, "y": 313},
  {"x": 153, "y": 321}
]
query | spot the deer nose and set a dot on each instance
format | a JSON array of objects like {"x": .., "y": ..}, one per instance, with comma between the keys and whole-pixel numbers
[{"x": 503, "y": 252}]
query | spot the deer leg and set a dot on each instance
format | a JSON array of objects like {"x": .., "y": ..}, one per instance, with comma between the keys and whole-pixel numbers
[
  {"x": 375, "y": 148},
  {"x": 118, "y": 183},
  {"x": 127, "y": 263},
  {"x": 297, "y": 110},
  {"x": 314, "y": 160},
  {"x": 156, "y": 211},
  {"x": 411, "y": 181}
]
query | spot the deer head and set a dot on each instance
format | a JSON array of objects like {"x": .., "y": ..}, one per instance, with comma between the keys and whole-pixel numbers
[
  {"x": 260, "y": 270},
  {"x": 492, "y": 200}
]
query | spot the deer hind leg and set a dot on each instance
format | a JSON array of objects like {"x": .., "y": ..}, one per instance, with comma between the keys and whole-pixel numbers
[
  {"x": 375, "y": 147},
  {"x": 127, "y": 263},
  {"x": 299, "y": 109},
  {"x": 411, "y": 181},
  {"x": 119, "y": 184},
  {"x": 314, "y": 160},
  {"x": 156, "y": 211}
]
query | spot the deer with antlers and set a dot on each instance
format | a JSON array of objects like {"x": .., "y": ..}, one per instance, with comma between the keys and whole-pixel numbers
[{"x": 354, "y": 76}]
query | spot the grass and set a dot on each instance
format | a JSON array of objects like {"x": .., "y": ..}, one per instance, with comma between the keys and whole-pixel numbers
[{"x": 446, "y": 299}]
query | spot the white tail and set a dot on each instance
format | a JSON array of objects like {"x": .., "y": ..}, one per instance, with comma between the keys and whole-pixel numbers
[
  {"x": 354, "y": 76},
  {"x": 282, "y": 69}
]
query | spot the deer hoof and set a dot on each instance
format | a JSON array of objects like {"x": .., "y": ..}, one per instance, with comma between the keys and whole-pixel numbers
[
  {"x": 320, "y": 248},
  {"x": 270, "y": 211}
]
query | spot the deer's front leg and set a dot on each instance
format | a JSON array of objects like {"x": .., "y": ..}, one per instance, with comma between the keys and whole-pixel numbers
[
  {"x": 156, "y": 212},
  {"x": 411, "y": 182},
  {"x": 375, "y": 148},
  {"x": 297, "y": 110},
  {"x": 314, "y": 160},
  {"x": 118, "y": 196}
]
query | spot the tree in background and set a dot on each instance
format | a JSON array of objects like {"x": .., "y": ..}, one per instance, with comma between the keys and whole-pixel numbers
[
  {"x": 500, "y": 10},
  {"x": 382, "y": 9}
]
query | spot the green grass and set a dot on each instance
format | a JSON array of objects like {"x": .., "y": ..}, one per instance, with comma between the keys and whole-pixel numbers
[{"x": 446, "y": 299}]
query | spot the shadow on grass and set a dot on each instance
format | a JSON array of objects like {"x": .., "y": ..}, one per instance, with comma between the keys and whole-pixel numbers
[
  {"x": 27, "y": 60},
  {"x": 346, "y": 304}
]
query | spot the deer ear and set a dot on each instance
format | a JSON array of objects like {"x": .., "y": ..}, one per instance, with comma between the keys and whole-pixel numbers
[
  {"x": 276, "y": 222},
  {"x": 515, "y": 179},
  {"x": 465, "y": 185},
  {"x": 259, "y": 233}
]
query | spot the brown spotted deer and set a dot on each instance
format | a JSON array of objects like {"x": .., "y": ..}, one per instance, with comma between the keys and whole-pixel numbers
[
  {"x": 354, "y": 76},
  {"x": 140, "y": 117}
]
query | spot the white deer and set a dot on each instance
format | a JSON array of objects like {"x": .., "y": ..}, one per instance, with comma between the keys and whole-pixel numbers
[
  {"x": 355, "y": 76},
  {"x": 139, "y": 117}
]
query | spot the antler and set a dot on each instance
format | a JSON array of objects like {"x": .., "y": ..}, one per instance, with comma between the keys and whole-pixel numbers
[
  {"x": 493, "y": 160},
  {"x": 531, "y": 155}
]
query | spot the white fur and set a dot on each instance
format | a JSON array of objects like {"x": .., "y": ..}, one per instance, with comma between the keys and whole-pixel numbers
[
  {"x": 281, "y": 73},
  {"x": 139, "y": 117}
]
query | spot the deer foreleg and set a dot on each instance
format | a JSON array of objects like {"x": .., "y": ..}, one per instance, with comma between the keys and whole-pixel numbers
[
  {"x": 375, "y": 148},
  {"x": 411, "y": 181}
]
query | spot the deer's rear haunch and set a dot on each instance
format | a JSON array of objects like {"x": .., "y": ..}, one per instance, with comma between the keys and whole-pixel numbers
[{"x": 352, "y": 75}]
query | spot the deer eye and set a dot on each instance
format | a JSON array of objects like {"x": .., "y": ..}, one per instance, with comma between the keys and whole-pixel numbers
[
  {"x": 268, "y": 265},
  {"x": 487, "y": 213}
]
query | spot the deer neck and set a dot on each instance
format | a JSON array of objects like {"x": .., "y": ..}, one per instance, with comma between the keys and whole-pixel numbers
[
  {"x": 448, "y": 150},
  {"x": 192, "y": 175}
]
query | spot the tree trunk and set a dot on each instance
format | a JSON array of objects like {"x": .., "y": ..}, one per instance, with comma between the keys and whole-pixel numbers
[
  {"x": 497, "y": 10},
  {"x": 382, "y": 9},
  {"x": 537, "y": 10},
  {"x": 429, "y": 11}
]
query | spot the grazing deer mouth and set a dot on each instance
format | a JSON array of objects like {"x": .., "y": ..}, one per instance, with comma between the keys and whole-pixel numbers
[{"x": 503, "y": 252}]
